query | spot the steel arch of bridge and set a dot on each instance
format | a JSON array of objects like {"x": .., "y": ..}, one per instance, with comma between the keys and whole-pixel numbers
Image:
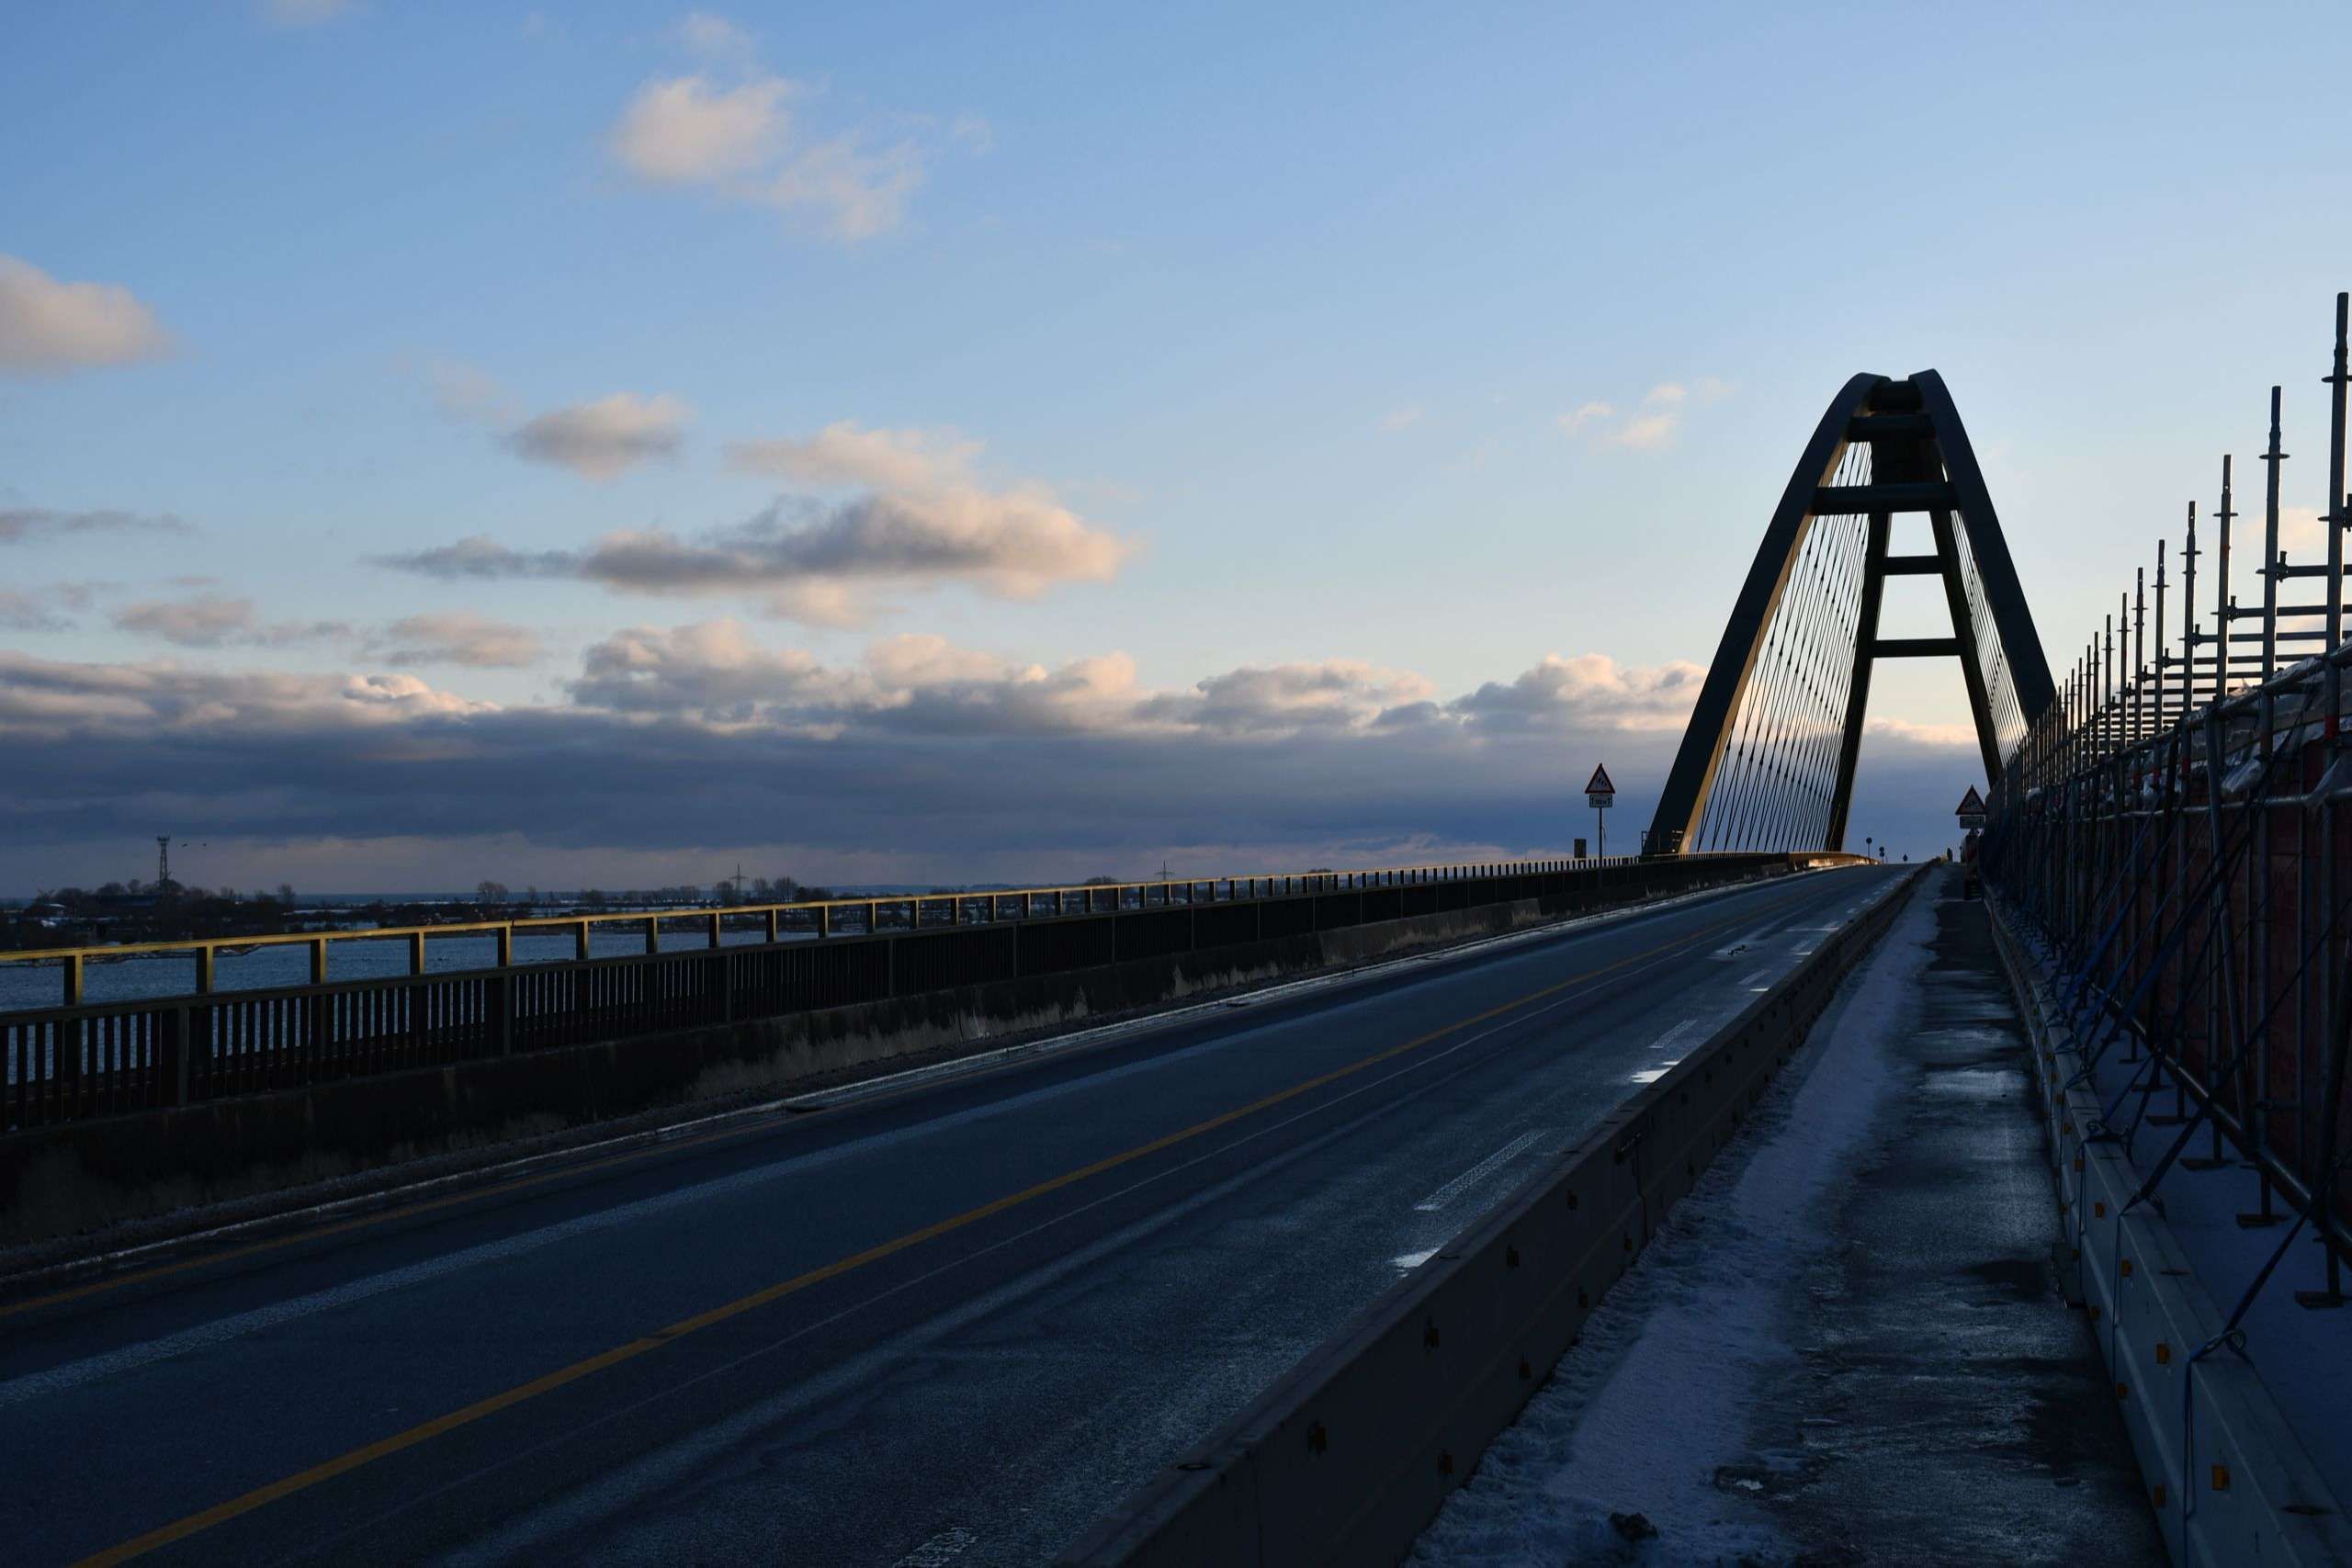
[{"x": 1769, "y": 756}]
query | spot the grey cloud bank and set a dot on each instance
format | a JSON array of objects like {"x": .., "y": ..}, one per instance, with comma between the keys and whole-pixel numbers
[
  {"x": 459, "y": 637},
  {"x": 218, "y": 621},
  {"x": 920, "y": 761},
  {"x": 30, "y": 524}
]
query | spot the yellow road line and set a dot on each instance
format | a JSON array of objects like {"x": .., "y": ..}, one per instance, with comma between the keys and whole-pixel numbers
[
  {"x": 220, "y": 1512},
  {"x": 359, "y": 1222},
  {"x": 408, "y": 1211}
]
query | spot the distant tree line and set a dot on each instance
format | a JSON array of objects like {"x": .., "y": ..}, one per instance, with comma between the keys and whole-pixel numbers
[
  {"x": 497, "y": 896},
  {"x": 149, "y": 911},
  {"x": 170, "y": 892}
]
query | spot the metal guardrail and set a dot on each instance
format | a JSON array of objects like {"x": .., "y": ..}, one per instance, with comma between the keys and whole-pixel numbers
[
  {"x": 73, "y": 1063},
  {"x": 782, "y": 921}
]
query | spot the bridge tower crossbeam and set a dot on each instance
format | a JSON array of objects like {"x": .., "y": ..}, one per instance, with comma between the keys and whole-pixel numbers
[{"x": 1773, "y": 743}]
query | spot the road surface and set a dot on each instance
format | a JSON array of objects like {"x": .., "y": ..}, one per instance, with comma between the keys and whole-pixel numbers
[{"x": 949, "y": 1323}]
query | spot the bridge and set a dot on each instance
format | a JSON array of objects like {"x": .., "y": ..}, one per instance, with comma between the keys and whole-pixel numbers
[{"x": 1235, "y": 1219}]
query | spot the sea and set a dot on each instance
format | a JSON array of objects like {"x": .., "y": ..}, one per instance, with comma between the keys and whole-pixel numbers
[{"x": 352, "y": 956}]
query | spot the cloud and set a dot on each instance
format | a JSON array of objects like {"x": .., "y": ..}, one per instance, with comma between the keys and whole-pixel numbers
[
  {"x": 918, "y": 515},
  {"x": 1651, "y": 427},
  {"x": 478, "y": 558},
  {"x": 2302, "y": 534},
  {"x": 47, "y": 698},
  {"x": 857, "y": 193},
  {"x": 1653, "y": 423},
  {"x": 973, "y": 133},
  {"x": 604, "y": 439},
  {"x": 598, "y": 440},
  {"x": 1011, "y": 546},
  {"x": 31, "y": 524},
  {"x": 459, "y": 637},
  {"x": 305, "y": 13},
  {"x": 23, "y": 612},
  {"x": 687, "y": 130},
  {"x": 918, "y": 760},
  {"x": 713, "y": 671},
  {"x": 469, "y": 392},
  {"x": 728, "y": 129},
  {"x": 1402, "y": 419},
  {"x": 708, "y": 33},
  {"x": 818, "y": 602},
  {"x": 1651, "y": 431},
  {"x": 1589, "y": 690},
  {"x": 921, "y": 515},
  {"x": 1330, "y": 695},
  {"x": 717, "y": 673},
  {"x": 1959, "y": 735},
  {"x": 51, "y": 328},
  {"x": 213, "y": 620}
]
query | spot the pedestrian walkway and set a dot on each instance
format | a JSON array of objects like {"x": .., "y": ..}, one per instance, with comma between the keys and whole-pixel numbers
[{"x": 1849, "y": 1346}]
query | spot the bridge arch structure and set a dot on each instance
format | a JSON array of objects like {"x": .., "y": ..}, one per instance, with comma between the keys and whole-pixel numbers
[{"x": 1767, "y": 760}]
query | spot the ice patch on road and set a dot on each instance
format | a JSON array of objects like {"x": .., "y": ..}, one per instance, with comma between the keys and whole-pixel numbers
[
  {"x": 1650, "y": 1414},
  {"x": 1477, "y": 1173}
]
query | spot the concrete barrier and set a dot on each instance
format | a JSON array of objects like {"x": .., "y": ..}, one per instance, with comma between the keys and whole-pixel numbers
[
  {"x": 2228, "y": 1480},
  {"x": 1348, "y": 1457},
  {"x": 80, "y": 1176}
]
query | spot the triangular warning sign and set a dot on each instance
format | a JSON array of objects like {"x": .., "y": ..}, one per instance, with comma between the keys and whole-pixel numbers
[
  {"x": 1972, "y": 803},
  {"x": 1600, "y": 784}
]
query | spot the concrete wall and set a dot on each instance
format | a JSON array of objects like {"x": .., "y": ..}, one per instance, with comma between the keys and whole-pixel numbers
[
  {"x": 63, "y": 1179},
  {"x": 2228, "y": 1480}
]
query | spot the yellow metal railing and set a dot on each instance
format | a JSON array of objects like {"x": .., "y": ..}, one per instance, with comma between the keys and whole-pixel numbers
[{"x": 819, "y": 918}]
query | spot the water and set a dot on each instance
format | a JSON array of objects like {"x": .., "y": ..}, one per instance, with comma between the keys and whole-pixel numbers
[
  {"x": 142, "y": 976},
  {"x": 138, "y": 977}
]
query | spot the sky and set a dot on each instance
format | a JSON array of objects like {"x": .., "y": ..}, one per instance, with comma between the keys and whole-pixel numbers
[{"x": 607, "y": 442}]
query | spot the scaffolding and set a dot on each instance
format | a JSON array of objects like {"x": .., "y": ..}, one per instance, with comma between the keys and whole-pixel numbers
[{"x": 2171, "y": 833}]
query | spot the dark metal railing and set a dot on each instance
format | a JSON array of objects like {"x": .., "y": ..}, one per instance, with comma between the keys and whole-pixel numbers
[
  {"x": 2173, "y": 832},
  {"x": 71, "y": 1063},
  {"x": 814, "y": 920}
]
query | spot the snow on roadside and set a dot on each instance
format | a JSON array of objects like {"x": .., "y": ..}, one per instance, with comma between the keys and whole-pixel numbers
[{"x": 1641, "y": 1416}]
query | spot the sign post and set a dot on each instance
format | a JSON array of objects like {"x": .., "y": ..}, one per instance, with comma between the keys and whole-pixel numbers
[
  {"x": 1601, "y": 794},
  {"x": 1972, "y": 818}
]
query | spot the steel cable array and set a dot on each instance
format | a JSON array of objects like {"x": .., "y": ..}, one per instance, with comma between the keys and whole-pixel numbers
[
  {"x": 1775, "y": 786},
  {"x": 2000, "y": 686}
]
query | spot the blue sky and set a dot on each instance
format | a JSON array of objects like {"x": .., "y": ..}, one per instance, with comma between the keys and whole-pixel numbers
[{"x": 1200, "y": 386}]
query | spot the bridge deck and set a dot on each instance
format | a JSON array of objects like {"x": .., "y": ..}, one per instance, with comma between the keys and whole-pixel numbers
[{"x": 979, "y": 1310}]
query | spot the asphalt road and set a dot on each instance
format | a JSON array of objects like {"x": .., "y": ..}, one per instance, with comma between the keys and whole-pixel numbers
[{"x": 944, "y": 1324}]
